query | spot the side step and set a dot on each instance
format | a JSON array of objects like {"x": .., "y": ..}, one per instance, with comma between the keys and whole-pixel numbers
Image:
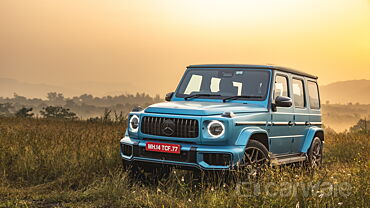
[{"x": 287, "y": 159}]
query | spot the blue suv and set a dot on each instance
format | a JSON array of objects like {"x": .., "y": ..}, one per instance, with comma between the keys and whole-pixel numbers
[{"x": 223, "y": 117}]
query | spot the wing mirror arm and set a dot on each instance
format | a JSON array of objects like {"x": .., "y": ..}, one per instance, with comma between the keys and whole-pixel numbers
[
  {"x": 273, "y": 107},
  {"x": 169, "y": 96}
]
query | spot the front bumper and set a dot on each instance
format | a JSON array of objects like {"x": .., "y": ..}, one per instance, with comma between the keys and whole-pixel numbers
[{"x": 192, "y": 155}]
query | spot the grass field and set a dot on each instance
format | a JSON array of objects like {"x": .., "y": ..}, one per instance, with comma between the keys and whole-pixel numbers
[{"x": 53, "y": 163}]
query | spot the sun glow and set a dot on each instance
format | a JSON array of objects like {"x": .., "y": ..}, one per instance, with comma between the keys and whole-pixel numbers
[
  {"x": 222, "y": 12},
  {"x": 108, "y": 40}
]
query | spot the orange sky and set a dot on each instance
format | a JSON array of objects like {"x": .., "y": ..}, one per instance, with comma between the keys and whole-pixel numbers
[{"x": 146, "y": 44}]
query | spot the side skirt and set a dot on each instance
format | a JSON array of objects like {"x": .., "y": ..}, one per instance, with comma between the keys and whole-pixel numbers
[{"x": 287, "y": 158}]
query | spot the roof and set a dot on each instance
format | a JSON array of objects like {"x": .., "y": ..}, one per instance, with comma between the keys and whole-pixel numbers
[{"x": 279, "y": 68}]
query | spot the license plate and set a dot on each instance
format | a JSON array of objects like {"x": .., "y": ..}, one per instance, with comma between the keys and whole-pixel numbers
[{"x": 162, "y": 147}]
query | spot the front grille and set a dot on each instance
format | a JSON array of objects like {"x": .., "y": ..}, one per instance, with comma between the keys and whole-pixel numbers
[
  {"x": 183, "y": 128},
  {"x": 168, "y": 140},
  {"x": 184, "y": 156}
]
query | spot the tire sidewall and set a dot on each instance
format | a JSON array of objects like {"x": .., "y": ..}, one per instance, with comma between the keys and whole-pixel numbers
[
  {"x": 310, "y": 152},
  {"x": 259, "y": 145}
]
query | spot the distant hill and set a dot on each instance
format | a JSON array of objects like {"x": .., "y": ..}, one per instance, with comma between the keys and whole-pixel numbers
[
  {"x": 344, "y": 92},
  {"x": 31, "y": 90},
  {"x": 10, "y": 86}
]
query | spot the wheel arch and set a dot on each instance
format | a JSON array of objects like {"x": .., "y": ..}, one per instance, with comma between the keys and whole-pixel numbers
[
  {"x": 311, "y": 134},
  {"x": 320, "y": 134},
  {"x": 261, "y": 137},
  {"x": 254, "y": 133}
]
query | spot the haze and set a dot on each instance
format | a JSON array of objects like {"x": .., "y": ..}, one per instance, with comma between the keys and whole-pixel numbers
[{"x": 145, "y": 45}]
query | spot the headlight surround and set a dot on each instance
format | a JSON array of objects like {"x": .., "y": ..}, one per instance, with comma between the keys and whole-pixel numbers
[
  {"x": 216, "y": 129},
  {"x": 134, "y": 123}
]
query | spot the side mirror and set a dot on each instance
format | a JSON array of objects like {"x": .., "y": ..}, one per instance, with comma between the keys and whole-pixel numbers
[
  {"x": 169, "y": 96},
  {"x": 137, "y": 109},
  {"x": 282, "y": 101}
]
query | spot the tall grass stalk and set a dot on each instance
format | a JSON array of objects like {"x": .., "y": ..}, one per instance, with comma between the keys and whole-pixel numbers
[{"x": 56, "y": 163}]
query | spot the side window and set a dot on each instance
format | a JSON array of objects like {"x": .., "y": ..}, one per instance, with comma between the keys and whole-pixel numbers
[
  {"x": 281, "y": 86},
  {"x": 298, "y": 93},
  {"x": 313, "y": 94}
]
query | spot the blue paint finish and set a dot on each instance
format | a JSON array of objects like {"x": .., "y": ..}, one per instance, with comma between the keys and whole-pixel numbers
[
  {"x": 250, "y": 117},
  {"x": 309, "y": 138},
  {"x": 247, "y": 133},
  {"x": 236, "y": 152},
  {"x": 199, "y": 108}
]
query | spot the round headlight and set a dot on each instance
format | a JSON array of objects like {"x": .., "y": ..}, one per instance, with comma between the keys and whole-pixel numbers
[
  {"x": 134, "y": 123},
  {"x": 216, "y": 129}
]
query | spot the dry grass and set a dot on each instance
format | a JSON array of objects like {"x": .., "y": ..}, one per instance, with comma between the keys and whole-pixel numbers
[{"x": 51, "y": 163}]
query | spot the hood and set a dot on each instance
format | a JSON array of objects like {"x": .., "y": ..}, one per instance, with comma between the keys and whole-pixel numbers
[{"x": 202, "y": 108}]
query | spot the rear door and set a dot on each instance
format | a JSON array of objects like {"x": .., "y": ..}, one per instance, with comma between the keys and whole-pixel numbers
[
  {"x": 301, "y": 113},
  {"x": 314, "y": 103},
  {"x": 282, "y": 119}
]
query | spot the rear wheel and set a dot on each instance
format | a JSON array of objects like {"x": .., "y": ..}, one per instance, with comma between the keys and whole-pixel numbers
[{"x": 315, "y": 154}]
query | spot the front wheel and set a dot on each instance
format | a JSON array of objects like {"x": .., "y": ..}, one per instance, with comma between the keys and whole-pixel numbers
[
  {"x": 255, "y": 158},
  {"x": 314, "y": 154}
]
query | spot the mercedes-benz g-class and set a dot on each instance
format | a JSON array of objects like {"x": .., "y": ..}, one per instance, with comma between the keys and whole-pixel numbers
[{"x": 223, "y": 117}]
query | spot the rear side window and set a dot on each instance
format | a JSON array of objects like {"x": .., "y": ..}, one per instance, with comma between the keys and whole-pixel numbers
[
  {"x": 313, "y": 94},
  {"x": 281, "y": 86},
  {"x": 298, "y": 93}
]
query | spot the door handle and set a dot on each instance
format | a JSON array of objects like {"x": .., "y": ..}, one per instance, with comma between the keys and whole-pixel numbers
[
  {"x": 307, "y": 123},
  {"x": 290, "y": 123}
]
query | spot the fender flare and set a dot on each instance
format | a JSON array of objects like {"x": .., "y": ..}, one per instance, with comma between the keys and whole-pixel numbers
[
  {"x": 246, "y": 133},
  {"x": 309, "y": 138}
]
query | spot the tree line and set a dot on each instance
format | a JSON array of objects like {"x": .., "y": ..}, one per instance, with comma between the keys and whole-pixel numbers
[{"x": 85, "y": 106}]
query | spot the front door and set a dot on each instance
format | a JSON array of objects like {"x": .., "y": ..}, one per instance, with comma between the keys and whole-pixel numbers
[{"x": 281, "y": 120}]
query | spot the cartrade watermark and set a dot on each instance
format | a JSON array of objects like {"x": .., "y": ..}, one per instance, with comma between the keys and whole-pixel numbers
[{"x": 291, "y": 189}]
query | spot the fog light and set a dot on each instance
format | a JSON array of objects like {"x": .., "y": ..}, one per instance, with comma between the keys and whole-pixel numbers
[{"x": 126, "y": 149}]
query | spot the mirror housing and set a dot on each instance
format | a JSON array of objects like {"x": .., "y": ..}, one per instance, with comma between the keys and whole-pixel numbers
[
  {"x": 282, "y": 101},
  {"x": 169, "y": 96},
  {"x": 137, "y": 109}
]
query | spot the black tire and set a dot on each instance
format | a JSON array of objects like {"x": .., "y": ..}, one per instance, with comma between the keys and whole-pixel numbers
[
  {"x": 314, "y": 154},
  {"x": 256, "y": 156}
]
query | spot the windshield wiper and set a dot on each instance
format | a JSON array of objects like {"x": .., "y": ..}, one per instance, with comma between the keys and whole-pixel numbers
[
  {"x": 200, "y": 94},
  {"x": 240, "y": 96}
]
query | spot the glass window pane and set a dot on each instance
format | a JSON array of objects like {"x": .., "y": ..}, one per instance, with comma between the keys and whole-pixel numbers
[
  {"x": 313, "y": 94},
  {"x": 215, "y": 84},
  {"x": 225, "y": 83},
  {"x": 281, "y": 86},
  {"x": 194, "y": 84},
  {"x": 298, "y": 93}
]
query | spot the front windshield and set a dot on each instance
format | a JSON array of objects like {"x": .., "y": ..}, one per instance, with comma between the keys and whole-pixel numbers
[{"x": 223, "y": 83}]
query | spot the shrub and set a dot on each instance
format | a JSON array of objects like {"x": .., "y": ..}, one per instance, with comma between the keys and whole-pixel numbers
[
  {"x": 24, "y": 112},
  {"x": 5, "y": 109},
  {"x": 57, "y": 112}
]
